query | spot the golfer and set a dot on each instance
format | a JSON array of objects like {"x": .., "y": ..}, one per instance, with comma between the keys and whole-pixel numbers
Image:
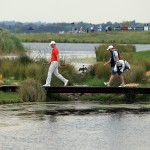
[
  {"x": 54, "y": 63},
  {"x": 115, "y": 64}
]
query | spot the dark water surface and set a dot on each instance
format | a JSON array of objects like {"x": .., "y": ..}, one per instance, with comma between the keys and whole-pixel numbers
[{"x": 29, "y": 127}]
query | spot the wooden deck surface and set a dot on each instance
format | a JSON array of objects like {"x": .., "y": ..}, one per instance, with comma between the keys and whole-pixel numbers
[{"x": 85, "y": 89}]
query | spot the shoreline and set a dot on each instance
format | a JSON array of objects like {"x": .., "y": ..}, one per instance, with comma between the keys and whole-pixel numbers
[{"x": 81, "y": 108}]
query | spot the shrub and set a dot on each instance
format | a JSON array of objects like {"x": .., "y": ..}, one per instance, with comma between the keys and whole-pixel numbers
[
  {"x": 69, "y": 72},
  {"x": 101, "y": 53},
  {"x": 102, "y": 71},
  {"x": 24, "y": 59},
  {"x": 33, "y": 71},
  {"x": 124, "y": 50},
  {"x": 9, "y": 43},
  {"x": 136, "y": 74},
  {"x": 31, "y": 91}
]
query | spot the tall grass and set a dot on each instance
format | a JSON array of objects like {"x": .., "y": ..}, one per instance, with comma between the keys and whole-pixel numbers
[
  {"x": 31, "y": 91},
  {"x": 24, "y": 67},
  {"x": 139, "y": 65},
  {"x": 136, "y": 74},
  {"x": 101, "y": 71},
  {"x": 31, "y": 75},
  {"x": 9, "y": 43},
  {"x": 125, "y": 51}
]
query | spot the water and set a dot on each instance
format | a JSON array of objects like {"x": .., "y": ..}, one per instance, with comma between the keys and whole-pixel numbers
[
  {"x": 66, "y": 49},
  {"x": 74, "y": 49},
  {"x": 29, "y": 127}
]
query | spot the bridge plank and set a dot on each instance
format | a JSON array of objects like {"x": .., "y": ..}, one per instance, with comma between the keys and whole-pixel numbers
[{"x": 85, "y": 89}]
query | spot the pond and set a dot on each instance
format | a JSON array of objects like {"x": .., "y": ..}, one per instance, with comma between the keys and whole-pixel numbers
[
  {"x": 80, "y": 50},
  {"x": 29, "y": 126}
]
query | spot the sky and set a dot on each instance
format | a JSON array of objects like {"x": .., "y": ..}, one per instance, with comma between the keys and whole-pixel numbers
[{"x": 89, "y": 11}]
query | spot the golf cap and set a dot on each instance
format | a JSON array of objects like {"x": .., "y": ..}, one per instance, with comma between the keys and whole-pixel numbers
[
  {"x": 52, "y": 42},
  {"x": 110, "y": 47}
]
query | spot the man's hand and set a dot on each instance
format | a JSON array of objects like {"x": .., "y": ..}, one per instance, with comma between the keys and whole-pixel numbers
[{"x": 106, "y": 63}]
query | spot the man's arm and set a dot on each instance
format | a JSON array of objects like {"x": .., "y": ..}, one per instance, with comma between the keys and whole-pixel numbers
[
  {"x": 108, "y": 62},
  {"x": 117, "y": 58},
  {"x": 58, "y": 59}
]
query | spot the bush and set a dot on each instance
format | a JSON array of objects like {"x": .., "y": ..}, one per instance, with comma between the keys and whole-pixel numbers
[
  {"x": 102, "y": 71},
  {"x": 136, "y": 74},
  {"x": 101, "y": 53},
  {"x": 34, "y": 71},
  {"x": 124, "y": 50},
  {"x": 9, "y": 43},
  {"x": 24, "y": 59},
  {"x": 32, "y": 91},
  {"x": 69, "y": 72}
]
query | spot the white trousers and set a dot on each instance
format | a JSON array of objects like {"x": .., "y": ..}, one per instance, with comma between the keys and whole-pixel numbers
[{"x": 53, "y": 68}]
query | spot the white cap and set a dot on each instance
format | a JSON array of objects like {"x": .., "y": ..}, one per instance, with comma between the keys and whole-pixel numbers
[
  {"x": 52, "y": 42},
  {"x": 110, "y": 47}
]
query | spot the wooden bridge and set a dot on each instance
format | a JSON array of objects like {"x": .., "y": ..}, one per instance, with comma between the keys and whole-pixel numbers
[{"x": 85, "y": 89}]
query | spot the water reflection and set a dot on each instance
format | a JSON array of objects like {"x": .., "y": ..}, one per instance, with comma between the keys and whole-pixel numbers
[{"x": 29, "y": 127}]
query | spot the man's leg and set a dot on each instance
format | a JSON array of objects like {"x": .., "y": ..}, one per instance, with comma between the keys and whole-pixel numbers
[
  {"x": 122, "y": 79},
  {"x": 59, "y": 76},
  {"x": 111, "y": 79},
  {"x": 49, "y": 75}
]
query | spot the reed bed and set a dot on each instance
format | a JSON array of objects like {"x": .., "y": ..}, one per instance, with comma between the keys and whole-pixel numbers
[{"x": 24, "y": 67}]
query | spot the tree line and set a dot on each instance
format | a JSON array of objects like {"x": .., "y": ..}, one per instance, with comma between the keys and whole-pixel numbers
[{"x": 40, "y": 27}]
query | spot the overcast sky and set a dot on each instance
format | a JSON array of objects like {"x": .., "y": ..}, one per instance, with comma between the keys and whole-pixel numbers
[{"x": 90, "y": 11}]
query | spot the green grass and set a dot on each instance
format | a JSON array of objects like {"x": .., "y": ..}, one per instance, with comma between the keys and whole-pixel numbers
[
  {"x": 120, "y": 37},
  {"x": 142, "y": 55},
  {"x": 6, "y": 98},
  {"x": 95, "y": 82}
]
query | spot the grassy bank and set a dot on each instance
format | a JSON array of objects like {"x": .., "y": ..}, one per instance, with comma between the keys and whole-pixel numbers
[
  {"x": 144, "y": 55},
  {"x": 6, "y": 98},
  {"x": 120, "y": 37}
]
